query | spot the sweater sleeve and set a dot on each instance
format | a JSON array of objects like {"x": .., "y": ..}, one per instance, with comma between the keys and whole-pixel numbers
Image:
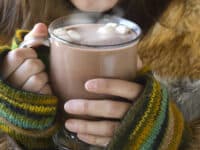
[
  {"x": 152, "y": 123},
  {"x": 28, "y": 117}
]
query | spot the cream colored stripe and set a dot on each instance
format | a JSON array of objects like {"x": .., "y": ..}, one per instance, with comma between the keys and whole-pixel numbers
[{"x": 169, "y": 133}]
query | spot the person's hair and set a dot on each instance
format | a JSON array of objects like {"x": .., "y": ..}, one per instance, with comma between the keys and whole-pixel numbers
[
  {"x": 144, "y": 12},
  {"x": 25, "y": 13}
]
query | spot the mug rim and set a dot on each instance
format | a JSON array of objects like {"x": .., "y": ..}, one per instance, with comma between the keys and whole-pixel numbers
[{"x": 116, "y": 19}]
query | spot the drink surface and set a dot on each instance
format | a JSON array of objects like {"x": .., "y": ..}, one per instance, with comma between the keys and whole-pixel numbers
[{"x": 96, "y": 34}]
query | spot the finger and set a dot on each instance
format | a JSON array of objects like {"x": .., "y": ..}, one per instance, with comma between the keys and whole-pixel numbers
[
  {"x": 36, "y": 82},
  {"x": 97, "y": 108},
  {"x": 46, "y": 90},
  {"x": 94, "y": 140},
  {"x": 15, "y": 58},
  {"x": 125, "y": 89},
  {"x": 39, "y": 30},
  {"x": 36, "y": 36},
  {"x": 99, "y": 128},
  {"x": 29, "y": 68}
]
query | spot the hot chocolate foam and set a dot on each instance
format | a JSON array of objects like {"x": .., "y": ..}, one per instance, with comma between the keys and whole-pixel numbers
[{"x": 96, "y": 34}]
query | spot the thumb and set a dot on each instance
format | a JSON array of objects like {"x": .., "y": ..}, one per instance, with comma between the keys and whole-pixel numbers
[
  {"x": 36, "y": 37},
  {"x": 39, "y": 31}
]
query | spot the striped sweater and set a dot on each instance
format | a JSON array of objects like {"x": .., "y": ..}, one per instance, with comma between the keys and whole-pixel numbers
[
  {"x": 27, "y": 117},
  {"x": 153, "y": 122}
]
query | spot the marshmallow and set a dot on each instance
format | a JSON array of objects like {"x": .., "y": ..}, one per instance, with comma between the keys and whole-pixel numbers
[
  {"x": 74, "y": 35},
  {"x": 111, "y": 24},
  {"x": 106, "y": 29},
  {"x": 59, "y": 31},
  {"x": 121, "y": 29},
  {"x": 62, "y": 33}
]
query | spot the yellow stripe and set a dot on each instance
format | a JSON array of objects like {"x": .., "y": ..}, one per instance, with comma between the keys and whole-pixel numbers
[
  {"x": 18, "y": 38},
  {"x": 149, "y": 115},
  {"x": 27, "y": 97},
  {"x": 31, "y": 108},
  {"x": 29, "y": 142},
  {"x": 19, "y": 34},
  {"x": 2, "y": 48},
  {"x": 147, "y": 120},
  {"x": 178, "y": 128},
  {"x": 143, "y": 71}
]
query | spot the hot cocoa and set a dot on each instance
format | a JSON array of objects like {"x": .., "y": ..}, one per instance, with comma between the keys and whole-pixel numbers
[{"x": 86, "y": 51}]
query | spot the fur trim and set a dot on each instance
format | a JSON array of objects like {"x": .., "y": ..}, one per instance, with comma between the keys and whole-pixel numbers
[
  {"x": 186, "y": 94},
  {"x": 7, "y": 143},
  {"x": 171, "y": 48}
]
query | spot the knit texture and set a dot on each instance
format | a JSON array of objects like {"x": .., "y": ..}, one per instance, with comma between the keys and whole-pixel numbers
[
  {"x": 152, "y": 123},
  {"x": 27, "y": 117}
]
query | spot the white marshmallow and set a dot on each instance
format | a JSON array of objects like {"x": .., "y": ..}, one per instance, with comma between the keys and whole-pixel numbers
[
  {"x": 62, "y": 33},
  {"x": 111, "y": 24},
  {"x": 121, "y": 29},
  {"x": 106, "y": 30},
  {"x": 74, "y": 35},
  {"x": 59, "y": 31}
]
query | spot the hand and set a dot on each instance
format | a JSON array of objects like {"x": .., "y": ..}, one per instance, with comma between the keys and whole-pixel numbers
[
  {"x": 100, "y": 132},
  {"x": 22, "y": 68}
]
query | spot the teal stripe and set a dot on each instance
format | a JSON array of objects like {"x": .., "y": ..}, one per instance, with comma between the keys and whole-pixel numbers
[
  {"x": 121, "y": 136},
  {"x": 158, "y": 123},
  {"x": 144, "y": 119},
  {"x": 24, "y": 121}
]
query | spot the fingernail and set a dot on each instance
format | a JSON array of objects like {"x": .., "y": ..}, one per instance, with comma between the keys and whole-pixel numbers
[
  {"x": 91, "y": 85},
  {"x": 70, "y": 125},
  {"x": 69, "y": 106},
  {"x": 72, "y": 106},
  {"x": 39, "y": 29}
]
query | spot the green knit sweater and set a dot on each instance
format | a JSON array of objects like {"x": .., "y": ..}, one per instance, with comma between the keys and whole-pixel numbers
[{"x": 153, "y": 122}]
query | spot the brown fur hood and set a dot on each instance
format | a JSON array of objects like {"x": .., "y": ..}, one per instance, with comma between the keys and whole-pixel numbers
[{"x": 172, "y": 46}]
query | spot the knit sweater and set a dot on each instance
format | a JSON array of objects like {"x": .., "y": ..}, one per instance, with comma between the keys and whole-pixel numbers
[
  {"x": 27, "y": 117},
  {"x": 153, "y": 121}
]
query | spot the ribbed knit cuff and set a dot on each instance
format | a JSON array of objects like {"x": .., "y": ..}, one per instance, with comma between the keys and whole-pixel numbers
[
  {"x": 29, "y": 118},
  {"x": 153, "y": 122}
]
